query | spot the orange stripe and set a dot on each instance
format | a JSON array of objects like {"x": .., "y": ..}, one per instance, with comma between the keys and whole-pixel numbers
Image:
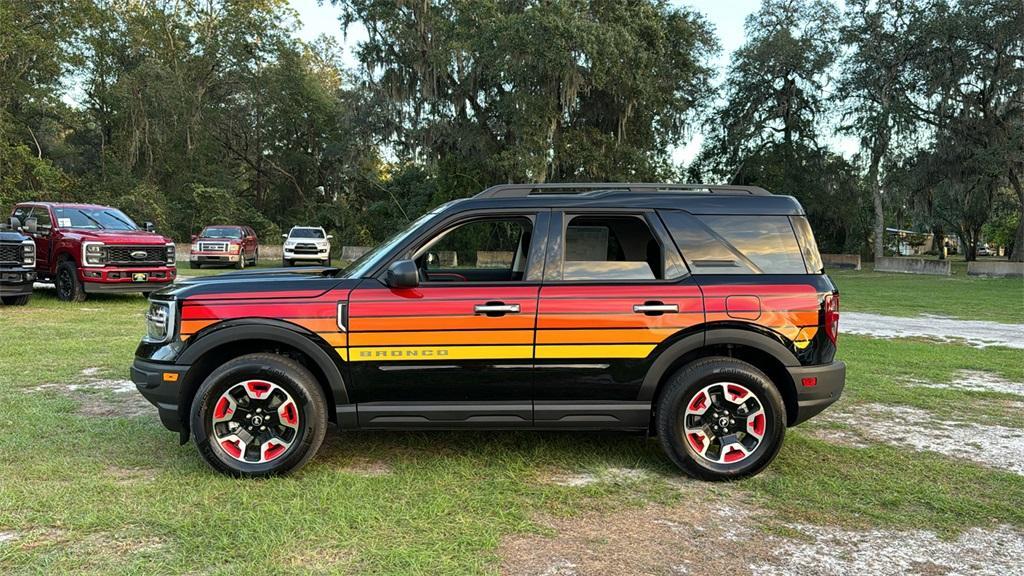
[
  {"x": 193, "y": 326},
  {"x": 643, "y": 336},
  {"x": 384, "y": 324},
  {"x": 316, "y": 324},
  {"x": 441, "y": 338},
  {"x": 335, "y": 339},
  {"x": 618, "y": 320}
]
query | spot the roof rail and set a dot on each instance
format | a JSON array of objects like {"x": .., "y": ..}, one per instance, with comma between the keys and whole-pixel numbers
[{"x": 522, "y": 190}]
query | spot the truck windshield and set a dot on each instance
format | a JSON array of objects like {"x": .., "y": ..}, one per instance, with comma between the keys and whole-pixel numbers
[
  {"x": 360, "y": 266},
  {"x": 221, "y": 233},
  {"x": 93, "y": 219},
  {"x": 306, "y": 233}
]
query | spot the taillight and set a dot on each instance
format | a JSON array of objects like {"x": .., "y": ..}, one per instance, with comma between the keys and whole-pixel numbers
[{"x": 832, "y": 316}]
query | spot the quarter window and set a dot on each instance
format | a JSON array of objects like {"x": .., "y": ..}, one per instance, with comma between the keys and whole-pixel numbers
[{"x": 736, "y": 244}]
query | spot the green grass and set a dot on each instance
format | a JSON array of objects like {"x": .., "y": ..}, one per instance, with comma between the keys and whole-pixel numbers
[
  {"x": 995, "y": 299},
  {"x": 184, "y": 270},
  {"x": 99, "y": 495}
]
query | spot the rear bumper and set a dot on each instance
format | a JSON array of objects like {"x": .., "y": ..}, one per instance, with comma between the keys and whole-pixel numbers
[
  {"x": 16, "y": 281},
  {"x": 160, "y": 384},
  {"x": 817, "y": 387}
]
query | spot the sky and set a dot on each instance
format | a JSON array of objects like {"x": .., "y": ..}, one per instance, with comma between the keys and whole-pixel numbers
[{"x": 727, "y": 16}]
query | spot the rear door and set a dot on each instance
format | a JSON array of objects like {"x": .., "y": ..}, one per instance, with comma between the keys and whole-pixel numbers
[
  {"x": 458, "y": 349},
  {"x": 616, "y": 292}
]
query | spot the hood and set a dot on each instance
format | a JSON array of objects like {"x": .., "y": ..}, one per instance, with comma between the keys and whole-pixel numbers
[
  {"x": 137, "y": 237},
  {"x": 263, "y": 283},
  {"x": 12, "y": 236}
]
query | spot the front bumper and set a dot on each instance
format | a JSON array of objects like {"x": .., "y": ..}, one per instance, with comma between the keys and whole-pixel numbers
[
  {"x": 124, "y": 280},
  {"x": 306, "y": 256},
  {"x": 817, "y": 387},
  {"x": 213, "y": 257},
  {"x": 160, "y": 384},
  {"x": 16, "y": 281}
]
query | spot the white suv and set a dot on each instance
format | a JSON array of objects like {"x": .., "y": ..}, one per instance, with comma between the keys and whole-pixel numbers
[{"x": 306, "y": 243}]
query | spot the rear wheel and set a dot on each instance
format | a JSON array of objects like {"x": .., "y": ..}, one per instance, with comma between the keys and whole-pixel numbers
[
  {"x": 69, "y": 287},
  {"x": 15, "y": 300},
  {"x": 720, "y": 419},
  {"x": 258, "y": 415}
]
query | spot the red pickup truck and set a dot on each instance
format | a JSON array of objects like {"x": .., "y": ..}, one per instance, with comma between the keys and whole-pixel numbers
[
  {"x": 87, "y": 249},
  {"x": 232, "y": 245}
]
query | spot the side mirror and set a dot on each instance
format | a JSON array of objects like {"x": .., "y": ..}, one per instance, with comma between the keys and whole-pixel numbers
[
  {"x": 329, "y": 237},
  {"x": 195, "y": 237},
  {"x": 30, "y": 225},
  {"x": 403, "y": 274},
  {"x": 285, "y": 236},
  {"x": 148, "y": 226},
  {"x": 15, "y": 223}
]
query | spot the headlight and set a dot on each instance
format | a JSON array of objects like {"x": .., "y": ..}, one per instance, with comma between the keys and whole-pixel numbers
[
  {"x": 28, "y": 253},
  {"x": 170, "y": 254},
  {"x": 94, "y": 253},
  {"x": 159, "y": 321},
  {"x": 195, "y": 247},
  {"x": 233, "y": 248}
]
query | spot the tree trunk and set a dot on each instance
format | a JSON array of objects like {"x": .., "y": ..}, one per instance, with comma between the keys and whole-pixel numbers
[
  {"x": 876, "y": 196},
  {"x": 939, "y": 241},
  {"x": 1016, "y": 249}
]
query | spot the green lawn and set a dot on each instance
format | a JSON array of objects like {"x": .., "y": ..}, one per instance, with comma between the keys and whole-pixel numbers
[
  {"x": 81, "y": 493},
  {"x": 995, "y": 299}
]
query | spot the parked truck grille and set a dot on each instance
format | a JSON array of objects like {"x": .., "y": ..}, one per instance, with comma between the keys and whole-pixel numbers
[
  {"x": 136, "y": 255},
  {"x": 306, "y": 249},
  {"x": 10, "y": 254},
  {"x": 213, "y": 246}
]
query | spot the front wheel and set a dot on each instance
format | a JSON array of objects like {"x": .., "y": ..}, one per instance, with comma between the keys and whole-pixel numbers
[
  {"x": 720, "y": 419},
  {"x": 286, "y": 263},
  {"x": 69, "y": 287},
  {"x": 241, "y": 262},
  {"x": 15, "y": 300},
  {"x": 258, "y": 415}
]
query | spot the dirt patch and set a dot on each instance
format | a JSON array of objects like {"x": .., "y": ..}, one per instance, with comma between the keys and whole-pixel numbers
[
  {"x": 683, "y": 539},
  {"x": 609, "y": 475},
  {"x": 367, "y": 467},
  {"x": 975, "y": 381},
  {"x": 978, "y": 333},
  {"x": 131, "y": 475},
  {"x": 841, "y": 436},
  {"x": 6, "y": 537},
  {"x": 828, "y": 550},
  {"x": 991, "y": 445},
  {"x": 102, "y": 397}
]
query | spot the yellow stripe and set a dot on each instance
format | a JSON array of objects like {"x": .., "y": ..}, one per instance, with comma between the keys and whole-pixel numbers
[
  {"x": 439, "y": 353},
  {"x": 343, "y": 353},
  {"x": 595, "y": 351}
]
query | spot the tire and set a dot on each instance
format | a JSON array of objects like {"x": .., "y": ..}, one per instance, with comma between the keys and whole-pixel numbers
[
  {"x": 69, "y": 287},
  {"x": 704, "y": 384},
  {"x": 255, "y": 257},
  {"x": 146, "y": 295},
  {"x": 287, "y": 263},
  {"x": 16, "y": 300},
  {"x": 326, "y": 262},
  {"x": 240, "y": 265},
  {"x": 195, "y": 265},
  {"x": 285, "y": 375}
]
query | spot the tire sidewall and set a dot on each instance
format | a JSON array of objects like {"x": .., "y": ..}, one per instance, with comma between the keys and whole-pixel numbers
[
  {"x": 688, "y": 382},
  {"x": 73, "y": 285},
  {"x": 303, "y": 390}
]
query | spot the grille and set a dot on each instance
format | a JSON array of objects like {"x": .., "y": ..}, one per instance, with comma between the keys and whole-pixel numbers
[
  {"x": 306, "y": 249},
  {"x": 155, "y": 255},
  {"x": 213, "y": 246},
  {"x": 10, "y": 253}
]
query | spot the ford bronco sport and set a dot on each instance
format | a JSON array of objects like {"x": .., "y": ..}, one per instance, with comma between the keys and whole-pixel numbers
[
  {"x": 17, "y": 262},
  {"x": 699, "y": 314},
  {"x": 86, "y": 249}
]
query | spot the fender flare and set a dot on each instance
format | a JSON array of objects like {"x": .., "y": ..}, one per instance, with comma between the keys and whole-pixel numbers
[
  {"x": 230, "y": 331},
  {"x": 713, "y": 335}
]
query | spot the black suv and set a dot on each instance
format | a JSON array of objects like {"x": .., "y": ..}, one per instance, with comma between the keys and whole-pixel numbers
[
  {"x": 17, "y": 263},
  {"x": 698, "y": 314}
]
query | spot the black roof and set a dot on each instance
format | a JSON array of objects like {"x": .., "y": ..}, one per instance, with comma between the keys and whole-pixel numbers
[{"x": 694, "y": 198}]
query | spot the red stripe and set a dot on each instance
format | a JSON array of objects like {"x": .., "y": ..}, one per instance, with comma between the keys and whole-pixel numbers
[
  {"x": 484, "y": 294},
  {"x": 651, "y": 292},
  {"x": 267, "y": 295},
  {"x": 759, "y": 289},
  {"x": 210, "y": 311},
  {"x": 435, "y": 307}
]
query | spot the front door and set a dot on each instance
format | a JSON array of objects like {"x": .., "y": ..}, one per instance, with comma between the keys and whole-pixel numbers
[
  {"x": 616, "y": 292},
  {"x": 458, "y": 349}
]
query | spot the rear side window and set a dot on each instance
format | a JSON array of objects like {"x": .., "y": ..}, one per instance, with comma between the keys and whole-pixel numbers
[
  {"x": 736, "y": 244},
  {"x": 812, "y": 258}
]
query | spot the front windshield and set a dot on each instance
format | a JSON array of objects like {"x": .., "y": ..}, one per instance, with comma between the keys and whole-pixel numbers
[
  {"x": 221, "y": 233},
  {"x": 93, "y": 219},
  {"x": 306, "y": 233},
  {"x": 360, "y": 266}
]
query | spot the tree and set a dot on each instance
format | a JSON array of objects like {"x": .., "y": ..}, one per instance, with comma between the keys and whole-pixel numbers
[{"x": 533, "y": 90}]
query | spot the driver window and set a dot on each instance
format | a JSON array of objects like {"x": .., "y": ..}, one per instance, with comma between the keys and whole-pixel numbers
[
  {"x": 488, "y": 250},
  {"x": 42, "y": 216}
]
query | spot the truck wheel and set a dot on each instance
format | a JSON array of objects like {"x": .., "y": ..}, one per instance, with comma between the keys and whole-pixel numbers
[
  {"x": 69, "y": 287},
  {"x": 286, "y": 263},
  {"x": 195, "y": 265},
  {"x": 720, "y": 419},
  {"x": 241, "y": 262},
  {"x": 15, "y": 300},
  {"x": 258, "y": 415},
  {"x": 255, "y": 257}
]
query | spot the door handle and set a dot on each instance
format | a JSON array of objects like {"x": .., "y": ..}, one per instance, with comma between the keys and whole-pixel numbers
[
  {"x": 496, "y": 308},
  {"x": 654, "y": 308}
]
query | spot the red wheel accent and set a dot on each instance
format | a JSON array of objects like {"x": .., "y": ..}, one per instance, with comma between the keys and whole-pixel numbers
[
  {"x": 289, "y": 415},
  {"x": 259, "y": 388},
  {"x": 232, "y": 447},
  {"x": 222, "y": 409},
  {"x": 733, "y": 455},
  {"x": 736, "y": 392},
  {"x": 699, "y": 402},
  {"x": 696, "y": 441},
  {"x": 757, "y": 426},
  {"x": 272, "y": 451}
]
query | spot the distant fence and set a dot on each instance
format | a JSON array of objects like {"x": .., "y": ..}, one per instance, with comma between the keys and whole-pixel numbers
[
  {"x": 1002, "y": 269},
  {"x": 350, "y": 253},
  {"x": 486, "y": 259},
  {"x": 913, "y": 266},
  {"x": 841, "y": 261}
]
